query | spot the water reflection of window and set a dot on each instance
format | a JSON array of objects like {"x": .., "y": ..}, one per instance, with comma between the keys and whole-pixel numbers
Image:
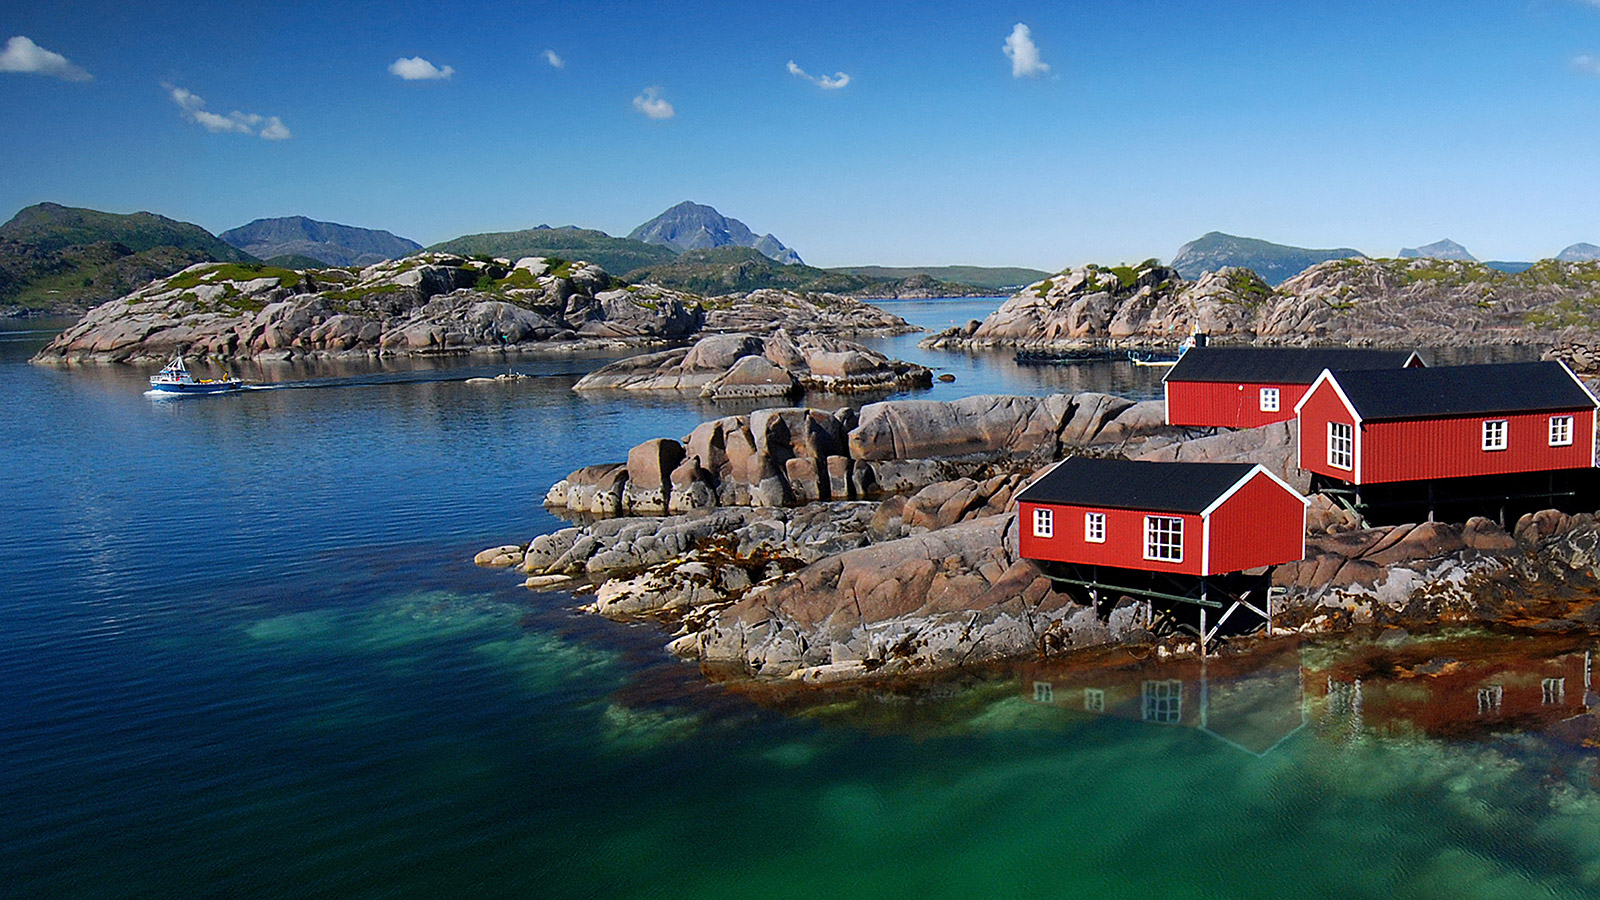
[
  {"x": 1044, "y": 692},
  {"x": 1555, "y": 691},
  {"x": 1163, "y": 701},
  {"x": 1094, "y": 699},
  {"x": 1489, "y": 699},
  {"x": 1343, "y": 697}
]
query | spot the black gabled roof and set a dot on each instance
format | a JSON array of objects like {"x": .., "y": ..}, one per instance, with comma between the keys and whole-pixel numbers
[
  {"x": 1182, "y": 487},
  {"x": 1463, "y": 390},
  {"x": 1278, "y": 365}
]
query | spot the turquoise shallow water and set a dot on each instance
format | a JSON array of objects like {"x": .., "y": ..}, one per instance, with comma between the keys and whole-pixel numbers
[{"x": 245, "y": 654}]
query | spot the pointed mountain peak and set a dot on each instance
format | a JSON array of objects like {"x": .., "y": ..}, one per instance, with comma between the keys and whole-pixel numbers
[
  {"x": 695, "y": 226},
  {"x": 1443, "y": 249}
]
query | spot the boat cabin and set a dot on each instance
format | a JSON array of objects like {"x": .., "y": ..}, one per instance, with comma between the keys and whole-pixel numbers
[
  {"x": 1184, "y": 518},
  {"x": 1404, "y": 425},
  {"x": 1247, "y": 387}
]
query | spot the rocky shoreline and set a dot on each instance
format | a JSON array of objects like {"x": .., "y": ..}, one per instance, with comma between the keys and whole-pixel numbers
[
  {"x": 812, "y": 547},
  {"x": 429, "y": 304}
]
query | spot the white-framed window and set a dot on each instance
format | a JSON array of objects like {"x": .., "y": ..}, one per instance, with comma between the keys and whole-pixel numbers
[
  {"x": 1044, "y": 523},
  {"x": 1094, "y": 699},
  {"x": 1163, "y": 702},
  {"x": 1494, "y": 434},
  {"x": 1044, "y": 692},
  {"x": 1489, "y": 698},
  {"x": 1341, "y": 445},
  {"x": 1560, "y": 431},
  {"x": 1555, "y": 691},
  {"x": 1094, "y": 528},
  {"x": 1163, "y": 538},
  {"x": 1269, "y": 399}
]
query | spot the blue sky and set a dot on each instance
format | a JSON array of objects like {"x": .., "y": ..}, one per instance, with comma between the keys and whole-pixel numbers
[{"x": 1370, "y": 125}]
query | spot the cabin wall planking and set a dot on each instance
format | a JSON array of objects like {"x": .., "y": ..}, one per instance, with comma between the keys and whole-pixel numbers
[
  {"x": 1124, "y": 546},
  {"x": 1205, "y": 404}
]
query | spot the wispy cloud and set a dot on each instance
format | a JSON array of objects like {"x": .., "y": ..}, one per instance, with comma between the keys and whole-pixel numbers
[
  {"x": 554, "y": 59},
  {"x": 268, "y": 128},
  {"x": 23, "y": 55},
  {"x": 1585, "y": 63},
  {"x": 652, "y": 104},
  {"x": 418, "y": 69},
  {"x": 827, "y": 82},
  {"x": 1024, "y": 54}
]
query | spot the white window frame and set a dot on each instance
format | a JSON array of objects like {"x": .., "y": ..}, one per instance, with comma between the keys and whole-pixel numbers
[
  {"x": 1094, "y": 699},
  {"x": 1561, "y": 431},
  {"x": 1553, "y": 691},
  {"x": 1044, "y": 522},
  {"x": 1044, "y": 692},
  {"x": 1490, "y": 698},
  {"x": 1271, "y": 400},
  {"x": 1162, "y": 701},
  {"x": 1163, "y": 538},
  {"x": 1341, "y": 445},
  {"x": 1094, "y": 527},
  {"x": 1496, "y": 434}
]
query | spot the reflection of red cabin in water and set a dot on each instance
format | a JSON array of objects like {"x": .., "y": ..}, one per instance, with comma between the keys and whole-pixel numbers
[
  {"x": 1173, "y": 517},
  {"x": 1445, "y": 696},
  {"x": 1247, "y": 387},
  {"x": 1376, "y": 427},
  {"x": 1252, "y": 701}
]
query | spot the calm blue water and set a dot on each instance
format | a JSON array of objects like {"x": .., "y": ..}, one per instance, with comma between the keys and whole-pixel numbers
[{"x": 244, "y": 653}]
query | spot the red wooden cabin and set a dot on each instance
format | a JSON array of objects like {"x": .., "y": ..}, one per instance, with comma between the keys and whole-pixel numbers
[
  {"x": 1247, "y": 387},
  {"x": 1182, "y": 518},
  {"x": 1377, "y": 427}
]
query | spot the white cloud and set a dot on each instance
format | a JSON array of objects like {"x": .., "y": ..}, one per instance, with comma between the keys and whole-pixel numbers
[
  {"x": 23, "y": 55},
  {"x": 1024, "y": 54},
  {"x": 418, "y": 69},
  {"x": 275, "y": 130},
  {"x": 827, "y": 82},
  {"x": 653, "y": 105},
  {"x": 1589, "y": 65},
  {"x": 554, "y": 59},
  {"x": 268, "y": 128}
]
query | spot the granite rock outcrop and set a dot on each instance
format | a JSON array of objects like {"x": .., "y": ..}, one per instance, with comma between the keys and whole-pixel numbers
[{"x": 729, "y": 366}]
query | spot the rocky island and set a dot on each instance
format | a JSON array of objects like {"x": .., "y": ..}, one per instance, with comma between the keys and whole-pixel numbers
[
  {"x": 739, "y": 366},
  {"x": 1357, "y": 301},
  {"x": 428, "y": 303}
]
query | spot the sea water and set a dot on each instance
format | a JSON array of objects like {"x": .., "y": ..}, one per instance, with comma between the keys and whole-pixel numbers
[{"x": 244, "y": 653}]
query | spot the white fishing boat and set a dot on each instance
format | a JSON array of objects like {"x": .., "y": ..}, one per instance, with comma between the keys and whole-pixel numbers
[{"x": 175, "y": 378}]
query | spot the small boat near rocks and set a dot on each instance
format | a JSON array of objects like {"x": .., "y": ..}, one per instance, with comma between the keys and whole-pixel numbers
[{"x": 175, "y": 378}]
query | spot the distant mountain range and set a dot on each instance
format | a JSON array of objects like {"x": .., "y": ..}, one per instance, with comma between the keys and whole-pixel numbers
[
  {"x": 330, "y": 244},
  {"x": 61, "y": 258},
  {"x": 1275, "y": 263},
  {"x": 694, "y": 226}
]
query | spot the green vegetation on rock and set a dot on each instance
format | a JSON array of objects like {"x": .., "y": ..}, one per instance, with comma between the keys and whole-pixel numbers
[
  {"x": 990, "y": 277},
  {"x": 54, "y": 257},
  {"x": 726, "y": 270},
  {"x": 610, "y": 253}
]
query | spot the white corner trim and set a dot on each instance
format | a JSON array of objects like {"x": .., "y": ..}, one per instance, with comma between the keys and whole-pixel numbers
[{"x": 1578, "y": 381}]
